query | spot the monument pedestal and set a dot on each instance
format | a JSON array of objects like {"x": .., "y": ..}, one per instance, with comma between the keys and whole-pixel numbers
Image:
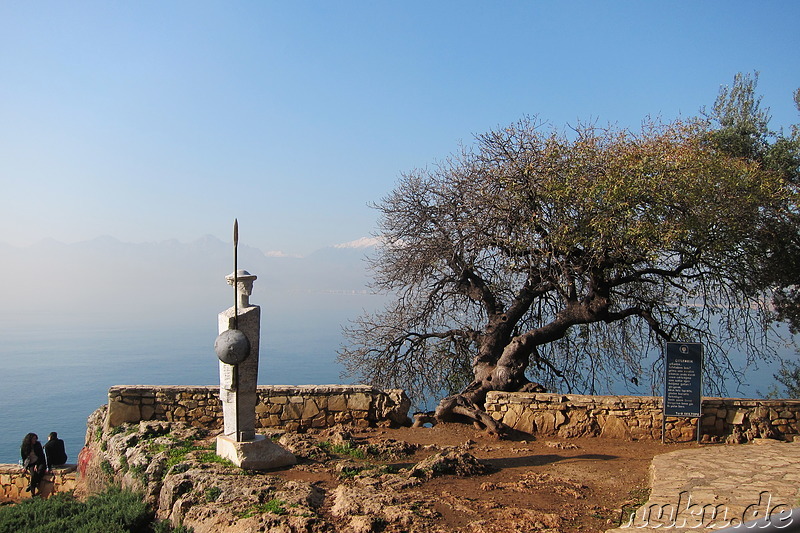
[{"x": 257, "y": 454}]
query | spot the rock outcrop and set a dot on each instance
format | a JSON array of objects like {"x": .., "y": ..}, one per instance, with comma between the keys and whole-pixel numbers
[{"x": 343, "y": 482}]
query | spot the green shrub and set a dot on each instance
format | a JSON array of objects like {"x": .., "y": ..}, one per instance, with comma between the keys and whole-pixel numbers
[
  {"x": 343, "y": 449},
  {"x": 107, "y": 469},
  {"x": 112, "y": 511},
  {"x": 212, "y": 457},
  {"x": 212, "y": 494},
  {"x": 388, "y": 469},
  {"x": 367, "y": 469},
  {"x": 140, "y": 472},
  {"x": 176, "y": 453},
  {"x": 180, "y": 468},
  {"x": 349, "y": 472},
  {"x": 274, "y": 506}
]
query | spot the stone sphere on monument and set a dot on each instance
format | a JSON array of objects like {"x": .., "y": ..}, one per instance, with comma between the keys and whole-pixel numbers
[{"x": 232, "y": 346}]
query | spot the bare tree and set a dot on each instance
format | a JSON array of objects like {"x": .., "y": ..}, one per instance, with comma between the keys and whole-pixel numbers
[{"x": 565, "y": 251}]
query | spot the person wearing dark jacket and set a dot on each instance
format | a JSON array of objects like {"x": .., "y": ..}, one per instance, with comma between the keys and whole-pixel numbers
[
  {"x": 34, "y": 461},
  {"x": 54, "y": 451}
]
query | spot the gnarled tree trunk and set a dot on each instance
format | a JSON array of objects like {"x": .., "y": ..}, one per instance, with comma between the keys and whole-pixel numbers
[
  {"x": 505, "y": 372},
  {"x": 502, "y": 359}
]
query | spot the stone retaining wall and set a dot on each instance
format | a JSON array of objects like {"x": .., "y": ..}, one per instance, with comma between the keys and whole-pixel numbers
[
  {"x": 14, "y": 480},
  {"x": 639, "y": 417},
  {"x": 295, "y": 408}
]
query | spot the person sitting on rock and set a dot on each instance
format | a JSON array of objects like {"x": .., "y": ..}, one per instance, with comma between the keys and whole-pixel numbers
[
  {"x": 54, "y": 450},
  {"x": 34, "y": 461}
]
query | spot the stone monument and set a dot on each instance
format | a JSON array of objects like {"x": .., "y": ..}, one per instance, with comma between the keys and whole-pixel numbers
[
  {"x": 237, "y": 350},
  {"x": 238, "y": 376}
]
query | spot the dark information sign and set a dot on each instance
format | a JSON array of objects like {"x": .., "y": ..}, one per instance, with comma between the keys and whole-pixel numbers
[{"x": 684, "y": 367}]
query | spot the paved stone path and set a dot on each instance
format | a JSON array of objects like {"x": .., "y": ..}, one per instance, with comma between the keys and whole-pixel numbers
[{"x": 720, "y": 486}]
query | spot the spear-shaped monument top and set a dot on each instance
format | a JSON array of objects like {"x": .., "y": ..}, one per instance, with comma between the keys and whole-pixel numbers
[{"x": 232, "y": 346}]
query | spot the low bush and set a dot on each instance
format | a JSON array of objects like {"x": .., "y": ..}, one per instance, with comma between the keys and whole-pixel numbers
[
  {"x": 274, "y": 506},
  {"x": 346, "y": 449},
  {"x": 112, "y": 511}
]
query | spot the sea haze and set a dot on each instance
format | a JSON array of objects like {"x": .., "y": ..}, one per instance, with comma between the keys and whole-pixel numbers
[{"x": 78, "y": 319}]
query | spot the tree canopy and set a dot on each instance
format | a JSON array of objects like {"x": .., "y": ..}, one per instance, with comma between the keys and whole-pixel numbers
[
  {"x": 740, "y": 128},
  {"x": 566, "y": 256}
]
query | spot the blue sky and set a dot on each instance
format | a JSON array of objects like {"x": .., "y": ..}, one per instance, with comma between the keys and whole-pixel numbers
[{"x": 152, "y": 120}]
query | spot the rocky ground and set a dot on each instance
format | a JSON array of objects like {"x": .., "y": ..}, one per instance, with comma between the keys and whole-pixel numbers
[{"x": 445, "y": 478}]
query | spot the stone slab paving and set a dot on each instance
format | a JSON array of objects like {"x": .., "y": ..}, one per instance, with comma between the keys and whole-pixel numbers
[{"x": 720, "y": 486}]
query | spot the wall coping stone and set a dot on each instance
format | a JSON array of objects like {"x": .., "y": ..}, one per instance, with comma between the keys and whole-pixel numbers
[
  {"x": 550, "y": 397},
  {"x": 16, "y": 468},
  {"x": 273, "y": 388}
]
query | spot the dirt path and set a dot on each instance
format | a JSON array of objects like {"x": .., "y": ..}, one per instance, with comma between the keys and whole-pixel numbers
[{"x": 563, "y": 485}]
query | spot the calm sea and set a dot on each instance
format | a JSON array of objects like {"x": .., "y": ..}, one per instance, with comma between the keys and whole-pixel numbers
[{"x": 52, "y": 377}]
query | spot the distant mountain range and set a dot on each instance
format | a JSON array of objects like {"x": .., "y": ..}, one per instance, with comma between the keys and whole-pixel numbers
[{"x": 105, "y": 278}]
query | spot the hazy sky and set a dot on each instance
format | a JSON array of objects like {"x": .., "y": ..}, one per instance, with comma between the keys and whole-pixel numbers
[{"x": 153, "y": 120}]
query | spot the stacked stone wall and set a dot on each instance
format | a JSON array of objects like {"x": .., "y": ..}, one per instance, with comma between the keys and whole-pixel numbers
[
  {"x": 640, "y": 417},
  {"x": 295, "y": 408},
  {"x": 14, "y": 480}
]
